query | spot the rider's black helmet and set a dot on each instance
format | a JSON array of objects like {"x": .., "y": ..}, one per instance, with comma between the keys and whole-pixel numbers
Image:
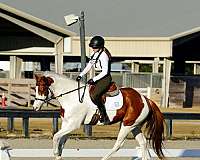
[{"x": 97, "y": 42}]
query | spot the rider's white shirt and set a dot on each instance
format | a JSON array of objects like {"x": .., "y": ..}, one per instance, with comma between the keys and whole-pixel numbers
[{"x": 100, "y": 64}]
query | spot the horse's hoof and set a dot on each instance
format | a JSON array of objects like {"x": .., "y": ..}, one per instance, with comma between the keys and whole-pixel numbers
[{"x": 58, "y": 158}]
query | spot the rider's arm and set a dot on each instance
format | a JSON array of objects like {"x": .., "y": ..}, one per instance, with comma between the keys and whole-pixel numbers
[
  {"x": 87, "y": 68},
  {"x": 104, "y": 60}
]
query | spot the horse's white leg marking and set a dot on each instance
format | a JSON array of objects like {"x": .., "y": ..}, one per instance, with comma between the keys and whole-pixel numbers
[
  {"x": 58, "y": 158},
  {"x": 63, "y": 139},
  {"x": 60, "y": 137},
  {"x": 143, "y": 146},
  {"x": 124, "y": 130}
]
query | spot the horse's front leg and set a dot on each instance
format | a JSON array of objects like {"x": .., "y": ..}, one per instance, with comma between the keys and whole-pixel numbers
[
  {"x": 60, "y": 145},
  {"x": 61, "y": 137}
]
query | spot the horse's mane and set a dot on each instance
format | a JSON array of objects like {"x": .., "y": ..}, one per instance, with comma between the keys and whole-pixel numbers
[{"x": 55, "y": 75}]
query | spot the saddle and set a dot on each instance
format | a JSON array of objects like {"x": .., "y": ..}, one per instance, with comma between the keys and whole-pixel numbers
[{"x": 112, "y": 91}]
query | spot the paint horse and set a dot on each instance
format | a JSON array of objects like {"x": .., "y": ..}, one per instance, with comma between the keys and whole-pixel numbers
[{"x": 135, "y": 111}]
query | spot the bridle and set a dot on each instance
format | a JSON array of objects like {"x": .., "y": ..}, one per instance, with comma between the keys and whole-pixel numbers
[{"x": 47, "y": 99}]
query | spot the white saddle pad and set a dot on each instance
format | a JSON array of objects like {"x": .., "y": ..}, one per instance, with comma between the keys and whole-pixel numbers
[{"x": 114, "y": 103}]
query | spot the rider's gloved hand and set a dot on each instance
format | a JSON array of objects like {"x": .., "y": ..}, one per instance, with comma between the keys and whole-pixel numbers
[
  {"x": 78, "y": 78},
  {"x": 91, "y": 82}
]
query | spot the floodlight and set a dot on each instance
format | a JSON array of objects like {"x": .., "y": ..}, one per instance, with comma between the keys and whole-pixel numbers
[{"x": 71, "y": 19}]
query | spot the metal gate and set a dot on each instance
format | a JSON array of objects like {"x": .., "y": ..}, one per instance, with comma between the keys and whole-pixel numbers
[{"x": 142, "y": 80}]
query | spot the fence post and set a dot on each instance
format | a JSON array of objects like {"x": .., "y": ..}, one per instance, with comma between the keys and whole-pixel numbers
[
  {"x": 87, "y": 129},
  {"x": 9, "y": 93},
  {"x": 29, "y": 95},
  {"x": 55, "y": 125},
  {"x": 169, "y": 128},
  {"x": 149, "y": 92},
  {"x": 10, "y": 124},
  {"x": 26, "y": 126}
]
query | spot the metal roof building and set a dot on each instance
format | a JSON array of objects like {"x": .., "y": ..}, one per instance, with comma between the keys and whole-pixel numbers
[
  {"x": 131, "y": 18},
  {"x": 132, "y": 28}
]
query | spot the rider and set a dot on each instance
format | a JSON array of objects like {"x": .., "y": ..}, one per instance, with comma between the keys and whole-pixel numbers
[{"x": 100, "y": 60}]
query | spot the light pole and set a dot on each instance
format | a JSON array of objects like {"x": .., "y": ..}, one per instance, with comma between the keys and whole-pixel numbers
[
  {"x": 82, "y": 41},
  {"x": 71, "y": 19}
]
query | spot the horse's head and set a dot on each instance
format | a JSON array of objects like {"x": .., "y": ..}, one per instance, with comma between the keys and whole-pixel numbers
[{"x": 42, "y": 91}]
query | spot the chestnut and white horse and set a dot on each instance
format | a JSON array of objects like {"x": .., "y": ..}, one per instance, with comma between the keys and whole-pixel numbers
[{"x": 133, "y": 110}]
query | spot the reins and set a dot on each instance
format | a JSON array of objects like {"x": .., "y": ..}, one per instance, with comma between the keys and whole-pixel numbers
[
  {"x": 80, "y": 98},
  {"x": 60, "y": 95}
]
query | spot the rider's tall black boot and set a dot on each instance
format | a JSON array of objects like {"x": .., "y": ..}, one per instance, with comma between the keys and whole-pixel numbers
[{"x": 105, "y": 118}]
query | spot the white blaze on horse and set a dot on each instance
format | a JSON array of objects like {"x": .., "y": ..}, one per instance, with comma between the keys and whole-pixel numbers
[{"x": 129, "y": 107}]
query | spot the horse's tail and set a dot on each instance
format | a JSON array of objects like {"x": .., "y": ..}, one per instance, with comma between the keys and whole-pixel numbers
[{"x": 155, "y": 128}]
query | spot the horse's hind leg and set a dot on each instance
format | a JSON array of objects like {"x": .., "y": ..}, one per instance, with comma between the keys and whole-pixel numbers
[
  {"x": 139, "y": 136},
  {"x": 124, "y": 130}
]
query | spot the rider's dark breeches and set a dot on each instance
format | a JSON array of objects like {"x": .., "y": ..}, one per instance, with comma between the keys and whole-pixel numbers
[{"x": 100, "y": 88}]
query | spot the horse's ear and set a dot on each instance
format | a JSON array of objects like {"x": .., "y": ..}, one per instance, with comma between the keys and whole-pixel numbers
[
  {"x": 49, "y": 80},
  {"x": 37, "y": 76}
]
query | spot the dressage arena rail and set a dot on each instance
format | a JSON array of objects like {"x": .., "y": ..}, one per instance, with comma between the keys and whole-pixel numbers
[{"x": 25, "y": 114}]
